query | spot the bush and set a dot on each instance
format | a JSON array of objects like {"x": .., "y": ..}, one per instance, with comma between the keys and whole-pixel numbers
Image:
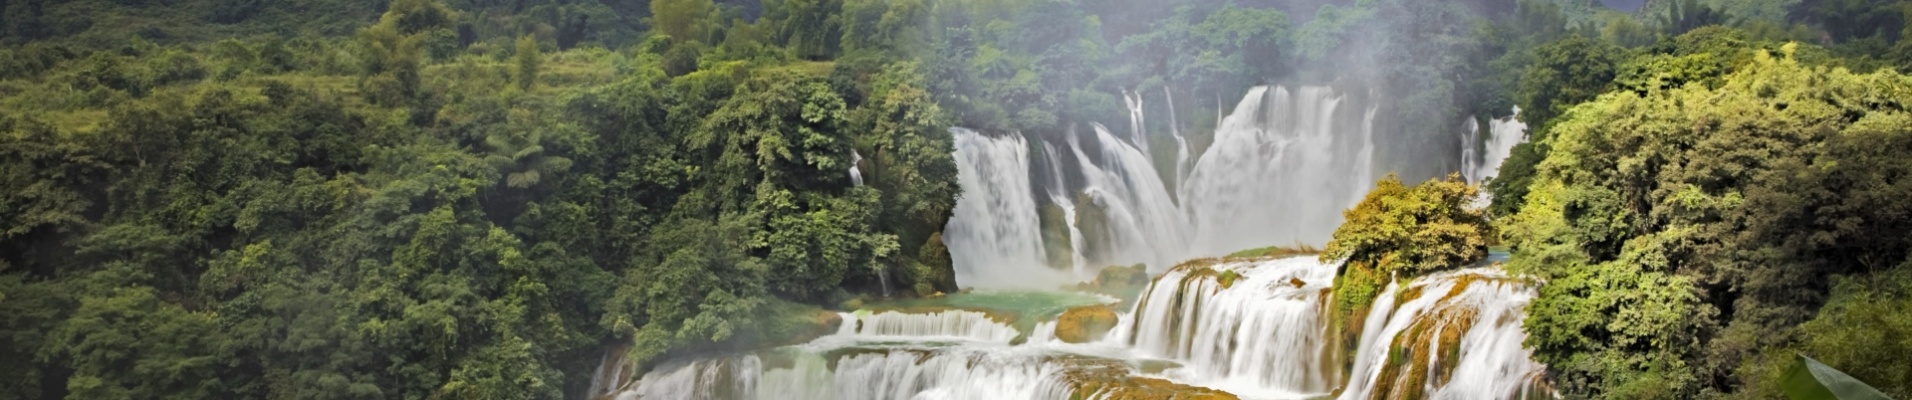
[
  {"x": 174, "y": 66},
  {"x": 1429, "y": 227}
]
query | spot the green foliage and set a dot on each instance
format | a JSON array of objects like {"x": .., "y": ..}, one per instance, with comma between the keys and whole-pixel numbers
[
  {"x": 396, "y": 215},
  {"x": 1684, "y": 230},
  {"x": 526, "y": 60},
  {"x": 685, "y": 20},
  {"x": 1857, "y": 331},
  {"x": 1401, "y": 231},
  {"x": 1412, "y": 230},
  {"x": 1564, "y": 73},
  {"x": 1810, "y": 379}
]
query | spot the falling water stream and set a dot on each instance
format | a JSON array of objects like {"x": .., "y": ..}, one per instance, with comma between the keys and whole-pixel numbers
[{"x": 1280, "y": 169}]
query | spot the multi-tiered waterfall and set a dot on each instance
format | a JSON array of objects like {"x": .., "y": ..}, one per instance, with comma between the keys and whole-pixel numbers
[
  {"x": 1281, "y": 168},
  {"x": 1040, "y": 211}
]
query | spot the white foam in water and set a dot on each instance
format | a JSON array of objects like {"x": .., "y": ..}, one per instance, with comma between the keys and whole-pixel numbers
[
  {"x": 1491, "y": 364},
  {"x": 947, "y": 325},
  {"x": 1482, "y": 159},
  {"x": 895, "y": 374},
  {"x": 1262, "y": 335},
  {"x": 994, "y": 237}
]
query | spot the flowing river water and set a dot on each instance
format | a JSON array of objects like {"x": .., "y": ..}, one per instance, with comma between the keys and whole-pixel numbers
[{"x": 1038, "y": 215}]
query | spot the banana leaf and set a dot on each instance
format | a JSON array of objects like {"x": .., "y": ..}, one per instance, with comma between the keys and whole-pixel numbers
[{"x": 1808, "y": 379}]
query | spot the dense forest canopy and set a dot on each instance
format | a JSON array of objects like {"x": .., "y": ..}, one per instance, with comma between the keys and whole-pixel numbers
[{"x": 478, "y": 198}]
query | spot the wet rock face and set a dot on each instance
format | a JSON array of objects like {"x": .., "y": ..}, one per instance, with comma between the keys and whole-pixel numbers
[{"x": 1085, "y": 324}]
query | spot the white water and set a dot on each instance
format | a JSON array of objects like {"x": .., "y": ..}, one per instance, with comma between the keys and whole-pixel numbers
[
  {"x": 892, "y": 374},
  {"x": 994, "y": 238},
  {"x": 1283, "y": 166},
  {"x": 940, "y": 325},
  {"x": 1262, "y": 335},
  {"x": 1138, "y": 125},
  {"x": 1079, "y": 264},
  {"x": 1482, "y": 158},
  {"x": 856, "y": 175},
  {"x": 1491, "y": 362},
  {"x": 1266, "y": 335},
  {"x": 1141, "y": 222},
  {"x": 1182, "y": 157}
]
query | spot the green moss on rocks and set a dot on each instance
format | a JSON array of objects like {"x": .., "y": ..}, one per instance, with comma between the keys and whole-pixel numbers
[
  {"x": 1106, "y": 379},
  {"x": 1085, "y": 324}
]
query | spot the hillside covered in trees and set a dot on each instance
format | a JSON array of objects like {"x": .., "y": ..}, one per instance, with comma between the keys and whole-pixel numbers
[{"x": 328, "y": 199}]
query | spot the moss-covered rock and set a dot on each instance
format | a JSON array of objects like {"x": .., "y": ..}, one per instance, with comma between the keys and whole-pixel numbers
[
  {"x": 811, "y": 323},
  {"x": 1085, "y": 324},
  {"x": 1274, "y": 252},
  {"x": 939, "y": 271},
  {"x": 1122, "y": 277},
  {"x": 1103, "y": 379}
]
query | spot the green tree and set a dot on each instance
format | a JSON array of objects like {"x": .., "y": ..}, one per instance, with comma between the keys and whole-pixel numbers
[
  {"x": 1704, "y": 220},
  {"x": 525, "y": 60},
  {"x": 683, "y": 20},
  {"x": 1407, "y": 231}
]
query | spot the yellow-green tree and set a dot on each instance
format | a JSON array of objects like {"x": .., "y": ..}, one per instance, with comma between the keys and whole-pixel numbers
[
  {"x": 1685, "y": 230},
  {"x": 526, "y": 61},
  {"x": 1405, "y": 230}
]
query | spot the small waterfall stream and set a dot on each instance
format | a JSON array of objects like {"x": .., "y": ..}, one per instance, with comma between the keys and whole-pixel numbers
[{"x": 1481, "y": 157}]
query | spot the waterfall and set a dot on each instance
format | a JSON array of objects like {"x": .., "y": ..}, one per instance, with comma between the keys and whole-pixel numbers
[
  {"x": 1256, "y": 327},
  {"x": 943, "y": 325},
  {"x": 1138, "y": 126},
  {"x": 1079, "y": 265},
  {"x": 856, "y": 175},
  {"x": 1452, "y": 335},
  {"x": 994, "y": 237},
  {"x": 1282, "y": 168},
  {"x": 884, "y": 374},
  {"x": 1181, "y": 142},
  {"x": 718, "y": 378},
  {"x": 1482, "y": 158},
  {"x": 1139, "y": 221}
]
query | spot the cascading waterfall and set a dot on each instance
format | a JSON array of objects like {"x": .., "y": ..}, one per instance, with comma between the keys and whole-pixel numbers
[
  {"x": 1460, "y": 335},
  {"x": 1283, "y": 166},
  {"x": 944, "y": 324},
  {"x": 1256, "y": 328},
  {"x": 1481, "y": 159},
  {"x": 994, "y": 237},
  {"x": 810, "y": 374},
  {"x": 1140, "y": 222}
]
